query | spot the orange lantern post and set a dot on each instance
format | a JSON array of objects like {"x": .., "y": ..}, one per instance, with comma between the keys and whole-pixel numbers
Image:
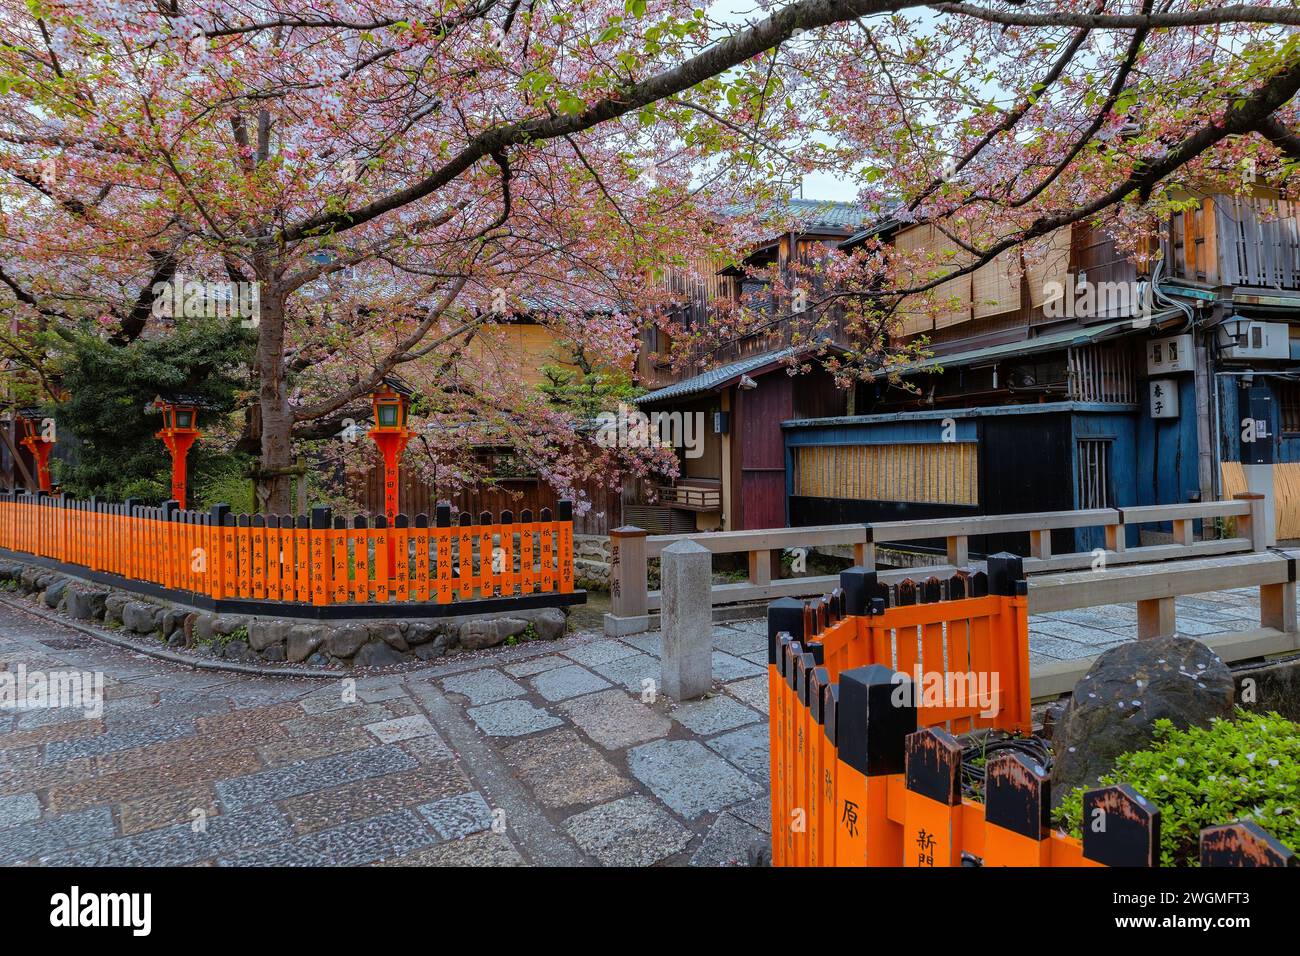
[
  {"x": 179, "y": 432},
  {"x": 391, "y": 401},
  {"x": 39, "y": 441}
]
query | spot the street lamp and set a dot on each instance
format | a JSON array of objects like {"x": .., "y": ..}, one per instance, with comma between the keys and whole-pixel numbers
[
  {"x": 180, "y": 414},
  {"x": 391, "y": 402},
  {"x": 38, "y": 440},
  {"x": 1231, "y": 330}
]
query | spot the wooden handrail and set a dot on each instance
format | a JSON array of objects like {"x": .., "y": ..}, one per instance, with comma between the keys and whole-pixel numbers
[{"x": 632, "y": 601}]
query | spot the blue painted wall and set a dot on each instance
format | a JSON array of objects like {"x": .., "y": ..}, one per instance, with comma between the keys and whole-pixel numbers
[{"x": 1288, "y": 446}]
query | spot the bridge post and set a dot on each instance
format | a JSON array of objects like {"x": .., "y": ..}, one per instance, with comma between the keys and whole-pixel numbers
[
  {"x": 628, "y": 601},
  {"x": 1156, "y": 618},
  {"x": 686, "y": 620}
]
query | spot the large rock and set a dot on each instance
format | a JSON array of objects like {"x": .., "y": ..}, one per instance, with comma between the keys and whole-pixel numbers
[
  {"x": 476, "y": 635},
  {"x": 302, "y": 641},
  {"x": 549, "y": 623},
  {"x": 172, "y": 622},
  {"x": 85, "y": 604},
  {"x": 378, "y": 654},
  {"x": 265, "y": 634},
  {"x": 54, "y": 593},
  {"x": 391, "y": 634},
  {"x": 227, "y": 624},
  {"x": 346, "y": 640},
  {"x": 1113, "y": 709},
  {"x": 140, "y": 617},
  {"x": 417, "y": 634},
  {"x": 433, "y": 649},
  {"x": 113, "y": 605},
  {"x": 238, "y": 651}
]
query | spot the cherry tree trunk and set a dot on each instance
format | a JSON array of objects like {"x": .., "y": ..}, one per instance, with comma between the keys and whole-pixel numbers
[{"x": 273, "y": 400}]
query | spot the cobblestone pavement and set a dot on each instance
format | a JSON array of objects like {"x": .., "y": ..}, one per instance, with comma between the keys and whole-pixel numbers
[{"x": 530, "y": 755}]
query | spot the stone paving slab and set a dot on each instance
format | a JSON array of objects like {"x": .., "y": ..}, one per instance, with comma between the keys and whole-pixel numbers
[
  {"x": 632, "y": 672},
  {"x": 353, "y": 844},
  {"x": 751, "y": 691},
  {"x": 712, "y": 715},
  {"x": 182, "y": 844},
  {"x": 689, "y": 778},
  {"x": 480, "y": 849},
  {"x": 114, "y": 787},
  {"x": 728, "y": 668},
  {"x": 19, "y": 808},
  {"x": 454, "y": 818},
  {"x": 565, "y": 682},
  {"x": 512, "y": 718},
  {"x": 38, "y": 838},
  {"x": 729, "y": 842},
  {"x": 615, "y": 720},
  {"x": 562, "y": 771},
  {"x": 401, "y": 728},
  {"x": 157, "y": 810},
  {"x": 363, "y": 798},
  {"x": 634, "y": 831},
  {"x": 747, "y": 748},
  {"x": 600, "y": 652},
  {"x": 536, "y": 665},
  {"x": 318, "y": 774},
  {"x": 483, "y": 686}
]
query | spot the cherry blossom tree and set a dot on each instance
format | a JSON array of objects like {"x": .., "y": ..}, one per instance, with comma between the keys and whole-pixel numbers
[{"x": 392, "y": 179}]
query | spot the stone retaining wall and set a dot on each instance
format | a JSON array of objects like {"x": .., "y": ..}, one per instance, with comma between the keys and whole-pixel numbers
[{"x": 274, "y": 639}]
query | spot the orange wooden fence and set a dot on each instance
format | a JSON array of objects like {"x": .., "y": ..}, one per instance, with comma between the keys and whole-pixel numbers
[
  {"x": 864, "y": 700},
  {"x": 318, "y": 559}
]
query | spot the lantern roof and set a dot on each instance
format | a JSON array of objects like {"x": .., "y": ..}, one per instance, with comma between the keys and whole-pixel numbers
[
  {"x": 395, "y": 384},
  {"x": 189, "y": 399}
]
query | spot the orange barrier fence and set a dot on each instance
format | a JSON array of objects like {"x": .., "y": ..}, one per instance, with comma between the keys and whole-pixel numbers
[
  {"x": 319, "y": 559},
  {"x": 867, "y": 687}
]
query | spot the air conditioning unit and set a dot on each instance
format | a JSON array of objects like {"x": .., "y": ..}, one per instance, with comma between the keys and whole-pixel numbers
[{"x": 1260, "y": 340}]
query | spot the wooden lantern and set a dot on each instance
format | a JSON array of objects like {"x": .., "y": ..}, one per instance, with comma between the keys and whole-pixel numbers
[
  {"x": 391, "y": 403},
  {"x": 37, "y": 441},
  {"x": 180, "y": 431}
]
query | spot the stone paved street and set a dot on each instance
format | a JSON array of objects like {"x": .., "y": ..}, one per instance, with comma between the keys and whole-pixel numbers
[{"x": 537, "y": 754}]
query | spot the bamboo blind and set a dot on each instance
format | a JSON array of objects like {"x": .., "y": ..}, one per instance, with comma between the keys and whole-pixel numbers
[
  {"x": 925, "y": 472},
  {"x": 990, "y": 290}
]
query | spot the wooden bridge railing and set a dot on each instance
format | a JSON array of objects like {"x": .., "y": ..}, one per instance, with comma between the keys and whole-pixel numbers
[
  {"x": 863, "y": 773},
  {"x": 632, "y": 601},
  {"x": 317, "y": 559}
]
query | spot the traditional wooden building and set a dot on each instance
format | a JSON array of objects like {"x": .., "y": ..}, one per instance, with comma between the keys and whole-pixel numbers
[
  {"x": 1078, "y": 379},
  {"x": 741, "y": 389}
]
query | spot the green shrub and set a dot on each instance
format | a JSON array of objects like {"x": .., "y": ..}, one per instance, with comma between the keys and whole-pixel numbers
[{"x": 1247, "y": 768}]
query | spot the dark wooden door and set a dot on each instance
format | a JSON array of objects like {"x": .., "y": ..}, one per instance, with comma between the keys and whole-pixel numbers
[{"x": 762, "y": 451}]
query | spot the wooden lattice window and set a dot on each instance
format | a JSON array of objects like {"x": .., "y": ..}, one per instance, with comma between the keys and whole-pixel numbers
[
  {"x": 1093, "y": 461},
  {"x": 1288, "y": 403}
]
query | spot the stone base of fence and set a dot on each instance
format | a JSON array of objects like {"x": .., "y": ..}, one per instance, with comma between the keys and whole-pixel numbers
[{"x": 265, "y": 635}]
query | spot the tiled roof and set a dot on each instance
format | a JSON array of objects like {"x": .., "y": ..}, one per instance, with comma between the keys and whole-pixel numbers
[
  {"x": 811, "y": 213},
  {"x": 707, "y": 381}
]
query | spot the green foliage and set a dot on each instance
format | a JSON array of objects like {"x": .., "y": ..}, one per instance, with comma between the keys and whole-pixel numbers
[
  {"x": 118, "y": 456},
  {"x": 222, "y": 479},
  {"x": 1247, "y": 768},
  {"x": 586, "y": 394}
]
